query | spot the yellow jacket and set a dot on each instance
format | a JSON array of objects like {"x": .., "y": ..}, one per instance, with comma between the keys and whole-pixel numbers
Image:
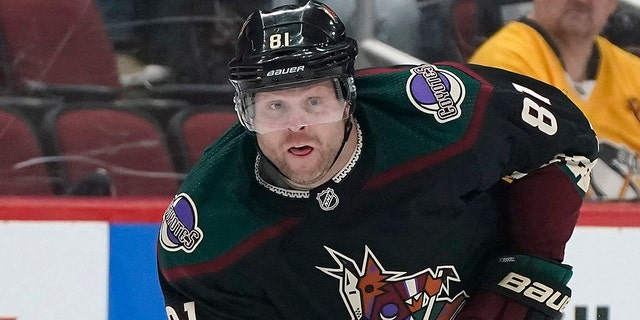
[{"x": 520, "y": 48}]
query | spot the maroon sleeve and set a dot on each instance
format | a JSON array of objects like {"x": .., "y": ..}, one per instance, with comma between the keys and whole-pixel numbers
[{"x": 544, "y": 208}]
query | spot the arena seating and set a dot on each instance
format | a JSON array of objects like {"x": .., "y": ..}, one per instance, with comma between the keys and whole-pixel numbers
[
  {"x": 93, "y": 144},
  {"x": 21, "y": 171},
  {"x": 77, "y": 124},
  {"x": 461, "y": 26},
  {"x": 193, "y": 129},
  {"x": 56, "y": 48}
]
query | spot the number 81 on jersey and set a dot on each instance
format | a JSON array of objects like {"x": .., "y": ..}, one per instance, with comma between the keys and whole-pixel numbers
[{"x": 536, "y": 115}]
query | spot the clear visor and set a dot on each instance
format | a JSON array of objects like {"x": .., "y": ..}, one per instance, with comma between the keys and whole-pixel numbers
[{"x": 291, "y": 108}]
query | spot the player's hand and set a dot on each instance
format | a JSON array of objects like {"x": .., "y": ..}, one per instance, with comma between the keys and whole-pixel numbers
[
  {"x": 520, "y": 287},
  {"x": 487, "y": 305}
]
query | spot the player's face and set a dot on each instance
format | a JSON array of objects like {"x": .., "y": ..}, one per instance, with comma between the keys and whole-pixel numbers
[
  {"x": 574, "y": 18},
  {"x": 303, "y": 153}
]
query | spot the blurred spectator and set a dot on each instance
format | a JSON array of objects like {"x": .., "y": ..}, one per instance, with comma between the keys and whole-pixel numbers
[
  {"x": 416, "y": 27},
  {"x": 143, "y": 44},
  {"x": 559, "y": 43},
  {"x": 395, "y": 22},
  {"x": 193, "y": 39}
]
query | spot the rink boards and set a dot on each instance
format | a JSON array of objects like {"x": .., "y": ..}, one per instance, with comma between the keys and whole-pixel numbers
[{"x": 95, "y": 259}]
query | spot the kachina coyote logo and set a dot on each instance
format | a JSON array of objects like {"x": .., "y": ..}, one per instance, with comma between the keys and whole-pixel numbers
[
  {"x": 373, "y": 293},
  {"x": 436, "y": 91}
]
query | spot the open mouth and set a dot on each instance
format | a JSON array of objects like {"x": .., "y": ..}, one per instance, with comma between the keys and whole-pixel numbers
[{"x": 301, "y": 150}]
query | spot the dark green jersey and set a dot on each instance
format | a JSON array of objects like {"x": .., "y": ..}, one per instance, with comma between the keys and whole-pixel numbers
[{"x": 449, "y": 158}]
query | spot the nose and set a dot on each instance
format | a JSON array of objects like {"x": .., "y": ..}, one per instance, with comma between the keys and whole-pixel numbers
[
  {"x": 296, "y": 127},
  {"x": 296, "y": 121}
]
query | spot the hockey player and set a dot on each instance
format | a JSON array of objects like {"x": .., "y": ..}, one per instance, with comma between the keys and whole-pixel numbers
[{"x": 440, "y": 191}]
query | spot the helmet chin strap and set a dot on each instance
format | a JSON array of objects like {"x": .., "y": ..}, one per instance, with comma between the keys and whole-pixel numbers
[{"x": 347, "y": 131}]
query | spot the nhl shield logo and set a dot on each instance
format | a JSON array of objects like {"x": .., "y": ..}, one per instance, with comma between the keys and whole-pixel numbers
[{"x": 328, "y": 199}]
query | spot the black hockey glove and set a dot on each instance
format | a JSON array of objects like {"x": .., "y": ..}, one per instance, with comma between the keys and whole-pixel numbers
[{"x": 520, "y": 287}]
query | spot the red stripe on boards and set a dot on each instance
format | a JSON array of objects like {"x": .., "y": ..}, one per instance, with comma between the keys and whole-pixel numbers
[{"x": 150, "y": 210}]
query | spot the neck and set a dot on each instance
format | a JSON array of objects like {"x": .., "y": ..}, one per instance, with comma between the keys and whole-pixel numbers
[
  {"x": 575, "y": 50},
  {"x": 575, "y": 56}
]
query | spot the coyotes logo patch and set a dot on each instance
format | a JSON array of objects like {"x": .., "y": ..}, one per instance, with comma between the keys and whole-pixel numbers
[
  {"x": 436, "y": 91},
  {"x": 179, "y": 228}
]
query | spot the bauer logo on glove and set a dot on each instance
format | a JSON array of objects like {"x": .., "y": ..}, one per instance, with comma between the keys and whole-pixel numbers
[{"x": 537, "y": 291}]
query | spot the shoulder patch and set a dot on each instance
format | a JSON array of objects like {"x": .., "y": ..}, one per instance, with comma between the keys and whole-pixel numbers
[
  {"x": 179, "y": 227},
  {"x": 436, "y": 91}
]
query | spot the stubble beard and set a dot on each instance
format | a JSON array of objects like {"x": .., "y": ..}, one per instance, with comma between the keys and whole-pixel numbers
[{"x": 309, "y": 176}]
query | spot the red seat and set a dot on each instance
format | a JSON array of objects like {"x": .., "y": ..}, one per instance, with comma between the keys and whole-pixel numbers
[
  {"x": 56, "y": 43},
  {"x": 128, "y": 146},
  {"x": 21, "y": 170},
  {"x": 465, "y": 16},
  {"x": 194, "y": 129},
  {"x": 460, "y": 27}
]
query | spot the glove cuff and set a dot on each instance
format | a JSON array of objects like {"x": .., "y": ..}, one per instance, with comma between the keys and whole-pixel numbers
[{"x": 535, "y": 282}]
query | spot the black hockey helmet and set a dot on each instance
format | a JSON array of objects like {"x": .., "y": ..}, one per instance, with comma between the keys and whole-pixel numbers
[{"x": 288, "y": 47}]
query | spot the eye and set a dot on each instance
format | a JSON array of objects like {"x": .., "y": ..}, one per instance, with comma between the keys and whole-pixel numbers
[
  {"x": 276, "y": 106},
  {"x": 314, "y": 102}
]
